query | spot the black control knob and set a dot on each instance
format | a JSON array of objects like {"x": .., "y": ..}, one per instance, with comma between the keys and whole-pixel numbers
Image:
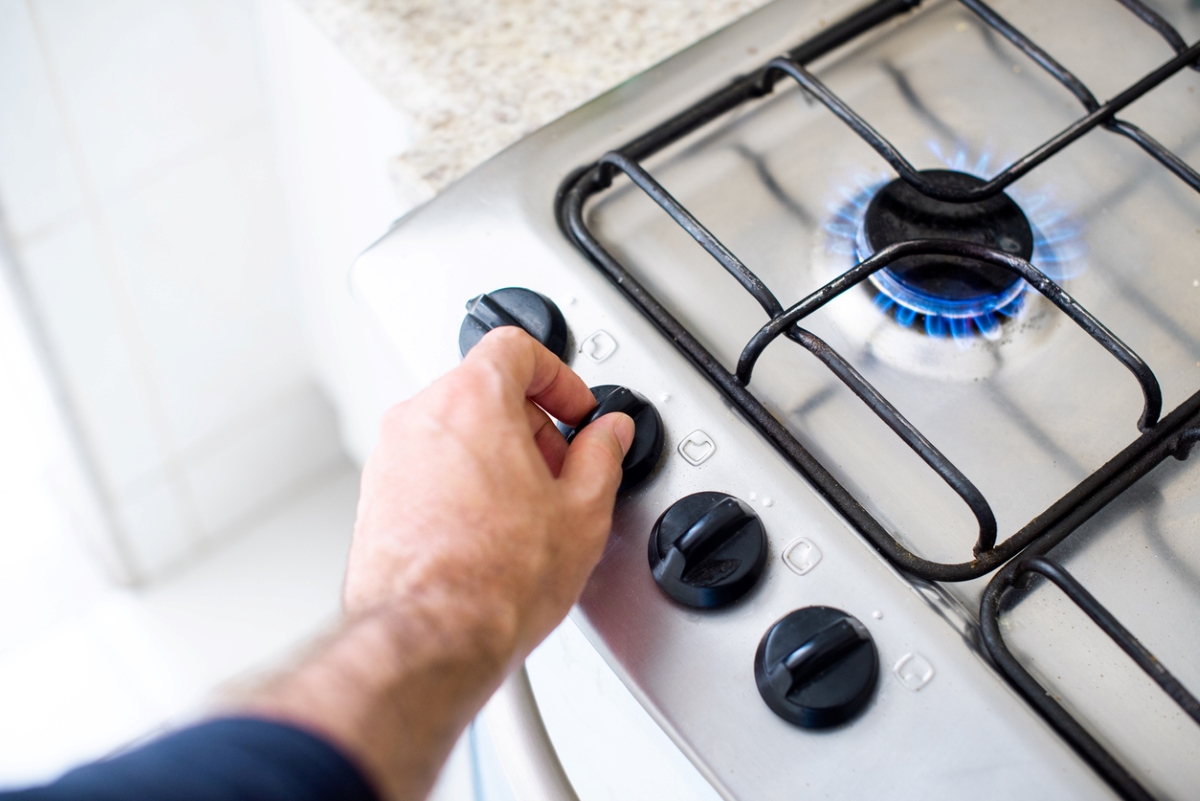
[
  {"x": 647, "y": 444},
  {"x": 817, "y": 667},
  {"x": 707, "y": 550},
  {"x": 523, "y": 308}
]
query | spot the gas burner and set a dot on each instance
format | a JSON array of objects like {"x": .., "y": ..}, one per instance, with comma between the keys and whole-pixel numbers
[{"x": 946, "y": 294}]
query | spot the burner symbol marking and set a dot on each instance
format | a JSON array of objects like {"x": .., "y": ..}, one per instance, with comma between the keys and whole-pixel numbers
[
  {"x": 801, "y": 556},
  {"x": 598, "y": 346},
  {"x": 697, "y": 447},
  {"x": 914, "y": 671}
]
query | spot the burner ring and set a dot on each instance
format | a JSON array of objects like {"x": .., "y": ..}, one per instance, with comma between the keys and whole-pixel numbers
[{"x": 940, "y": 286}]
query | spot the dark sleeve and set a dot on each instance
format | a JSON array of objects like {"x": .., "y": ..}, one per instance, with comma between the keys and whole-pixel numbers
[{"x": 233, "y": 759}]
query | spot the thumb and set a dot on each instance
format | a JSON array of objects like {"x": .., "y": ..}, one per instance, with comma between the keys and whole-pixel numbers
[{"x": 592, "y": 469}]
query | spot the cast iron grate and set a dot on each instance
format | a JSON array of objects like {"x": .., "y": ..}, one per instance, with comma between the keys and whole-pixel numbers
[{"x": 1172, "y": 435}]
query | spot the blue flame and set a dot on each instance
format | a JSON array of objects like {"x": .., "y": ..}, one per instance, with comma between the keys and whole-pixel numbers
[{"x": 1057, "y": 251}]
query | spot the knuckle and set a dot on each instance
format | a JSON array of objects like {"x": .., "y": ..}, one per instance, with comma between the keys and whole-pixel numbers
[
  {"x": 393, "y": 419},
  {"x": 479, "y": 379}
]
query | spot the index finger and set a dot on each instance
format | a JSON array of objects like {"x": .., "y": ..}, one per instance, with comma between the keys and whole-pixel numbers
[{"x": 536, "y": 373}]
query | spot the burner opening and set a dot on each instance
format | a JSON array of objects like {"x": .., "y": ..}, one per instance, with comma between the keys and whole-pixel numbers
[{"x": 947, "y": 294}]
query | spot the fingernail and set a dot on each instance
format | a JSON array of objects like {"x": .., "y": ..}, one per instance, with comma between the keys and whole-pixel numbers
[{"x": 624, "y": 430}]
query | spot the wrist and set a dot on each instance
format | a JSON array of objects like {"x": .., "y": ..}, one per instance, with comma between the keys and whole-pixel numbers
[
  {"x": 447, "y": 628},
  {"x": 395, "y": 685}
]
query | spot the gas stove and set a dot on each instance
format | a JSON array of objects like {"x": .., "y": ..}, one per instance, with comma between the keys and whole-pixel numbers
[{"x": 919, "y": 317}]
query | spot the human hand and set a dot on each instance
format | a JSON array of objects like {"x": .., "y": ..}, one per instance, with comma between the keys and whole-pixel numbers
[
  {"x": 477, "y": 528},
  {"x": 474, "y": 503}
]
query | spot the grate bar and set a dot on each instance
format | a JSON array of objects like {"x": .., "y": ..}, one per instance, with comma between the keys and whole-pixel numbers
[
  {"x": 1113, "y": 628},
  {"x": 1042, "y": 700},
  {"x": 749, "y": 281},
  {"x": 1151, "y": 392},
  {"x": 589, "y": 181},
  {"x": 1026, "y": 46},
  {"x": 762, "y": 81},
  {"x": 1065, "y": 514},
  {"x": 838, "y": 365},
  {"x": 1172, "y": 162},
  {"x": 1155, "y": 149},
  {"x": 1010, "y": 174},
  {"x": 1183, "y": 445},
  {"x": 909, "y": 433},
  {"x": 1155, "y": 21}
]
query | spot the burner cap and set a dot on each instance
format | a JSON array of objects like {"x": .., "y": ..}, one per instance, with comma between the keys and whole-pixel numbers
[{"x": 949, "y": 286}]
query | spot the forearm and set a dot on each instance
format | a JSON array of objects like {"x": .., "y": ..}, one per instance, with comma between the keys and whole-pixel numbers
[{"x": 395, "y": 688}]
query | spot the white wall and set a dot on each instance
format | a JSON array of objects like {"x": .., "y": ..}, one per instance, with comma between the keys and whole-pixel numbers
[
  {"x": 335, "y": 137},
  {"x": 184, "y": 185},
  {"x": 140, "y": 188}
]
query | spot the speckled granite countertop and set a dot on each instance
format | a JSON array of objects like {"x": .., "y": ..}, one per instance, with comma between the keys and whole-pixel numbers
[{"x": 477, "y": 75}]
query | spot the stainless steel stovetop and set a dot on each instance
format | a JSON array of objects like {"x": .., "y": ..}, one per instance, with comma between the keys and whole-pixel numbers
[{"x": 1026, "y": 412}]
